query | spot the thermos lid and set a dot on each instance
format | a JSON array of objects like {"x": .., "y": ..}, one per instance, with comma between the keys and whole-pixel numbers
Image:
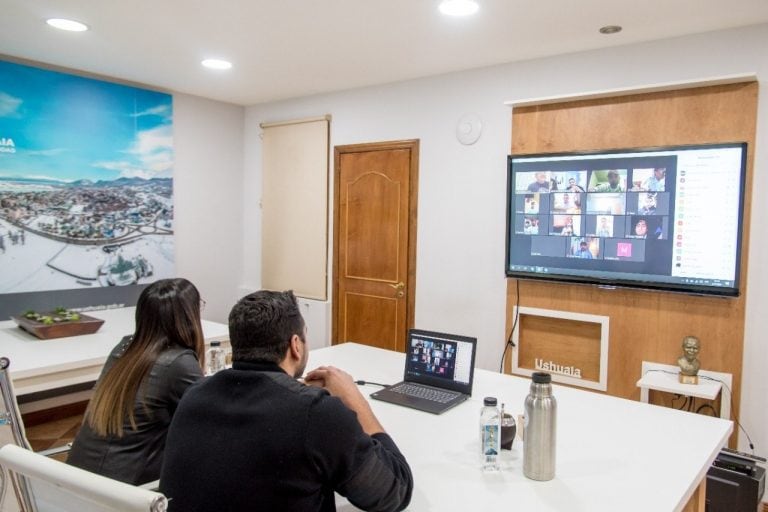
[
  {"x": 490, "y": 401},
  {"x": 542, "y": 378}
]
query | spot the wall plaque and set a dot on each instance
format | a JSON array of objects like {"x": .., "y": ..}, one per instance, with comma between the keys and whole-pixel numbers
[{"x": 573, "y": 347}]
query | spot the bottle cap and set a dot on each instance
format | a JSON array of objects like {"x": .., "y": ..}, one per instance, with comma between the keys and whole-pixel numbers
[
  {"x": 490, "y": 401},
  {"x": 215, "y": 343},
  {"x": 541, "y": 378}
]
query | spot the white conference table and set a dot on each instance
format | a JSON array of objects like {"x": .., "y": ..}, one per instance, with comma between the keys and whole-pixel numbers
[
  {"x": 42, "y": 365},
  {"x": 612, "y": 454}
]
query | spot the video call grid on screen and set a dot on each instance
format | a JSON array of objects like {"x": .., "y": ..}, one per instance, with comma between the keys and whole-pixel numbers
[
  {"x": 590, "y": 206},
  {"x": 441, "y": 358},
  {"x": 623, "y": 213}
]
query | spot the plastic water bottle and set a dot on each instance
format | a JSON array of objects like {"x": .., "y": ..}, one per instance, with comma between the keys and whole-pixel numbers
[
  {"x": 215, "y": 358},
  {"x": 490, "y": 435},
  {"x": 540, "y": 427}
]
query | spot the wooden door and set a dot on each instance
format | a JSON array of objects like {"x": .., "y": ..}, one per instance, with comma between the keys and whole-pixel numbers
[{"x": 375, "y": 243}]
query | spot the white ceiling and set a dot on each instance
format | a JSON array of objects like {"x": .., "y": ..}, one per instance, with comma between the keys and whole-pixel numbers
[{"x": 289, "y": 48}]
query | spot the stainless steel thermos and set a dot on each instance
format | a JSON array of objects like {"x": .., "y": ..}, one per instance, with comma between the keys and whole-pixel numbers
[{"x": 540, "y": 428}]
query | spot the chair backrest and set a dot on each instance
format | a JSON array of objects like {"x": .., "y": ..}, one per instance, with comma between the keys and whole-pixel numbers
[
  {"x": 11, "y": 425},
  {"x": 57, "y": 487},
  {"x": 16, "y": 497}
]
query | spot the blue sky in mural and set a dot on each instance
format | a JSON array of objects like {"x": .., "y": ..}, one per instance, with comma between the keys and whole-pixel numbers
[{"x": 64, "y": 127}]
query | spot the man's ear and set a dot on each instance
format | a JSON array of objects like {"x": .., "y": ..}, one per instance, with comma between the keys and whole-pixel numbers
[{"x": 295, "y": 350}]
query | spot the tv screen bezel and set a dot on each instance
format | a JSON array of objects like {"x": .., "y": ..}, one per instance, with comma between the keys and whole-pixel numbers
[{"x": 615, "y": 282}]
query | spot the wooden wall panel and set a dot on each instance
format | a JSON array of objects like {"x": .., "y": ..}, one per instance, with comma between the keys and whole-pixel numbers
[{"x": 647, "y": 325}]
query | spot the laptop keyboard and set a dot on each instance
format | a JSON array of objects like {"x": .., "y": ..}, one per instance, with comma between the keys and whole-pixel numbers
[{"x": 434, "y": 395}]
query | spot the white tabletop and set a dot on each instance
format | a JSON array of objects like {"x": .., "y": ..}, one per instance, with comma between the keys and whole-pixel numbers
[
  {"x": 612, "y": 454},
  {"x": 39, "y": 365}
]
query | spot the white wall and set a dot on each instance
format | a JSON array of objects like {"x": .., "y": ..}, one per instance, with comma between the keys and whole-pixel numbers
[
  {"x": 208, "y": 177},
  {"x": 460, "y": 284}
]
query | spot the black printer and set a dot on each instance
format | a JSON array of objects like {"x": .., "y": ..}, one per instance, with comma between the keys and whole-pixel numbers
[{"x": 735, "y": 482}]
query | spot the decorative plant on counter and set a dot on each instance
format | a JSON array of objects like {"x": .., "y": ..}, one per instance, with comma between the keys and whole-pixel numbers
[
  {"x": 59, "y": 315},
  {"x": 59, "y": 323}
]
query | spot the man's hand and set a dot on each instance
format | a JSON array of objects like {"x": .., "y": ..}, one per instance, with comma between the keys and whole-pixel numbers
[{"x": 341, "y": 385}]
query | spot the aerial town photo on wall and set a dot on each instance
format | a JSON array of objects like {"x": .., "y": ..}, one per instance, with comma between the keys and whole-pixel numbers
[{"x": 86, "y": 186}]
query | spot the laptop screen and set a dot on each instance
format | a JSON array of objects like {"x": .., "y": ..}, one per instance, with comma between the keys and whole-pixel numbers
[{"x": 441, "y": 360}]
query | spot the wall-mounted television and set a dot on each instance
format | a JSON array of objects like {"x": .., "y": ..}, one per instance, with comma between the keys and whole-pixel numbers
[{"x": 664, "y": 218}]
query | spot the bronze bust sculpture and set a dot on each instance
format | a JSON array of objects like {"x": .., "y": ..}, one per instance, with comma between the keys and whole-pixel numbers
[{"x": 688, "y": 363}]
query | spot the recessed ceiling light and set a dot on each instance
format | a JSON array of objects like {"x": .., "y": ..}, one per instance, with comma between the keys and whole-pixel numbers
[
  {"x": 64, "y": 24},
  {"x": 216, "y": 64},
  {"x": 610, "y": 29},
  {"x": 458, "y": 7}
]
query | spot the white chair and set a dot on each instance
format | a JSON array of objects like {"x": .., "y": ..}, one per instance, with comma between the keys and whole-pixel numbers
[
  {"x": 54, "y": 486},
  {"x": 11, "y": 432},
  {"x": 31, "y": 482},
  {"x": 11, "y": 425}
]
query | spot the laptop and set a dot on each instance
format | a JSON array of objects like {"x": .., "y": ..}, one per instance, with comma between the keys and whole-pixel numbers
[{"x": 439, "y": 369}]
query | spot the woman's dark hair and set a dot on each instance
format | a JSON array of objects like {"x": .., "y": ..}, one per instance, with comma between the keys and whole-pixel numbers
[{"x": 167, "y": 315}]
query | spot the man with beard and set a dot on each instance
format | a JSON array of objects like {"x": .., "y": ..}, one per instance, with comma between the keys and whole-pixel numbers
[
  {"x": 255, "y": 438},
  {"x": 613, "y": 184}
]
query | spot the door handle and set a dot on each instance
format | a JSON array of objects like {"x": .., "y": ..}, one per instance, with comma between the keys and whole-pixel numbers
[{"x": 399, "y": 286}]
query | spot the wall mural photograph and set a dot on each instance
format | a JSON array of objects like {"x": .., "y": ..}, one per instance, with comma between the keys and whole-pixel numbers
[{"x": 86, "y": 188}]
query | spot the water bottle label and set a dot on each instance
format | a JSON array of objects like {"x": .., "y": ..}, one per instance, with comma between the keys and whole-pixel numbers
[
  {"x": 491, "y": 440},
  {"x": 216, "y": 361}
]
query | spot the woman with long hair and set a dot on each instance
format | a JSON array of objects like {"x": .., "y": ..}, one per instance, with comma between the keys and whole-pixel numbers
[{"x": 126, "y": 422}]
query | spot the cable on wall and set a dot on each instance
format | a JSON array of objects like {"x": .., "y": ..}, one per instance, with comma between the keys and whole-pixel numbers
[
  {"x": 735, "y": 418},
  {"x": 511, "y": 343}
]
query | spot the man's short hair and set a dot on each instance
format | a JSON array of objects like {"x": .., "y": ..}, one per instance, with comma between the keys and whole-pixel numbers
[
  {"x": 614, "y": 173},
  {"x": 262, "y": 324}
]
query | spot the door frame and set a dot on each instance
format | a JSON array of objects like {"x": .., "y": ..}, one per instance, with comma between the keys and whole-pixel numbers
[{"x": 413, "y": 196}]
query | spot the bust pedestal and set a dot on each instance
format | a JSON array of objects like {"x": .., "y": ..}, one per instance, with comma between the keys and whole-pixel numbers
[
  {"x": 665, "y": 378},
  {"x": 688, "y": 379}
]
